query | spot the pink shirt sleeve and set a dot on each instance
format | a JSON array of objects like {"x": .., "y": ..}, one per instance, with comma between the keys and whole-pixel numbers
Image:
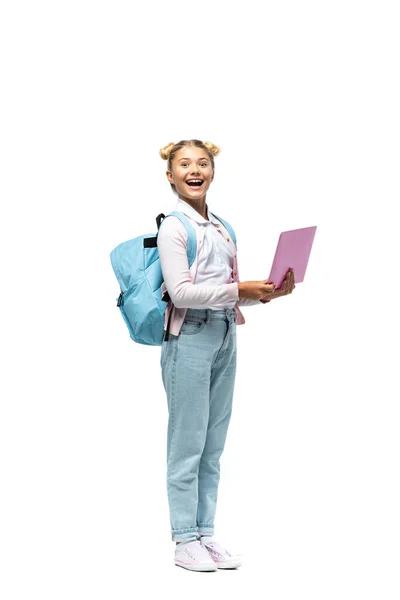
[{"x": 171, "y": 242}]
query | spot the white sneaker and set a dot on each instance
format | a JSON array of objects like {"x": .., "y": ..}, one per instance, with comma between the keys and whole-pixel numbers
[
  {"x": 193, "y": 556},
  {"x": 222, "y": 558}
]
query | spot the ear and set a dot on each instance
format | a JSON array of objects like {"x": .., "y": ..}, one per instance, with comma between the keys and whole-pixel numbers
[{"x": 169, "y": 177}]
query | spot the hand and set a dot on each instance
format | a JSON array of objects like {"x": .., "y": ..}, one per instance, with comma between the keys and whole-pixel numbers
[
  {"x": 286, "y": 288},
  {"x": 255, "y": 290}
]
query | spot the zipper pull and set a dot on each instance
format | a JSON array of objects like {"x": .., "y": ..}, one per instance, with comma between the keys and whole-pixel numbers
[{"x": 120, "y": 299}]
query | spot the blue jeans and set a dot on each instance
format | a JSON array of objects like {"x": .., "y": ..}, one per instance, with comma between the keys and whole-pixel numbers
[{"x": 198, "y": 373}]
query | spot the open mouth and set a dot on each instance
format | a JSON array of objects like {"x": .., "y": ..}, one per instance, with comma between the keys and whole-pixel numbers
[{"x": 195, "y": 182}]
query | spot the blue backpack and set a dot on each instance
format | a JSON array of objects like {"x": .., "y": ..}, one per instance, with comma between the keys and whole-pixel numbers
[{"x": 136, "y": 265}]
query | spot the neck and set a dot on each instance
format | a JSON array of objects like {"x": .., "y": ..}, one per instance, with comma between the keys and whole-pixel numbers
[{"x": 199, "y": 205}]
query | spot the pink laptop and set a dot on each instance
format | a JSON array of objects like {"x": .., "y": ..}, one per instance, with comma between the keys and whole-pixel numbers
[{"x": 293, "y": 250}]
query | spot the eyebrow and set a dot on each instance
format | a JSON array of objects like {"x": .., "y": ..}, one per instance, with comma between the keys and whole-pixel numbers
[{"x": 204, "y": 158}]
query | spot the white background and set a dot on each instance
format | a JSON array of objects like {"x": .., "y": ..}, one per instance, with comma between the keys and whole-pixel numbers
[{"x": 303, "y": 98}]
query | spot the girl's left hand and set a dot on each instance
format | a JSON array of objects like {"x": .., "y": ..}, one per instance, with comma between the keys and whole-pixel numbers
[{"x": 286, "y": 288}]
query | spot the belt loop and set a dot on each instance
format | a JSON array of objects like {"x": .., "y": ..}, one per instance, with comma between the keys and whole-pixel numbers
[{"x": 208, "y": 314}]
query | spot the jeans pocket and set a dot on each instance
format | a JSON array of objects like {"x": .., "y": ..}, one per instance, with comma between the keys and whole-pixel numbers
[{"x": 192, "y": 326}]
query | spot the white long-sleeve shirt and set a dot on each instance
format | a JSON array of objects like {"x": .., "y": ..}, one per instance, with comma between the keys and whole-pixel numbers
[{"x": 214, "y": 286}]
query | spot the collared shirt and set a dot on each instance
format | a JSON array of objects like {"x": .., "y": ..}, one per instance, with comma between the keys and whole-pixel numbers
[{"x": 215, "y": 284}]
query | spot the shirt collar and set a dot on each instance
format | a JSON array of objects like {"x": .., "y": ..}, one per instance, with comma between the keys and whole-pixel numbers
[{"x": 189, "y": 211}]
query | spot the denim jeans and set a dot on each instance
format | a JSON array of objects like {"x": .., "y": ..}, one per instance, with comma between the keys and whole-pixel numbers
[{"x": 198, "y": 372}]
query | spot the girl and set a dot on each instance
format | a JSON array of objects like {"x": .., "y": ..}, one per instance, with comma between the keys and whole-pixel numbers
[{"x": 198, "y": 359}]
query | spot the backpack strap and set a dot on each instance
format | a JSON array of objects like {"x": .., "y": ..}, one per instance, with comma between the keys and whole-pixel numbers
[
  {"x": 192, "y": 238},
  {"x": 227, "y": 226}
]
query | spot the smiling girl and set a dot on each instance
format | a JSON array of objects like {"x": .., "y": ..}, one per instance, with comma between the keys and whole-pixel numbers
[{"x": 198, "y": 358}]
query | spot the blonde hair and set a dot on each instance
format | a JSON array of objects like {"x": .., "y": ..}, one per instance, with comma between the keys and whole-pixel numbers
[{"x": 169, "y": 151}]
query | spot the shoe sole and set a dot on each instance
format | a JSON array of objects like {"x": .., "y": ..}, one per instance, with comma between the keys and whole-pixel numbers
[
  {"x": 202, "y": 568},
  {"x": 231, "y": 564}
]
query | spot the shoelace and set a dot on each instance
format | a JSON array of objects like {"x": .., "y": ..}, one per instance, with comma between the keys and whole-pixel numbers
[
  {"x": 187, "y": 551},
  {"x": 214, "y": 551}
]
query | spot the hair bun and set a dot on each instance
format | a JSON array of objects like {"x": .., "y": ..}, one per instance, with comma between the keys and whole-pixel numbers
[
  {"x": 166, "y": 150},
  {"x": 213, "y": 148}
]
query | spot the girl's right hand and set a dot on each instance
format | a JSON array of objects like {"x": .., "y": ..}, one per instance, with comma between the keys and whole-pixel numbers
[
  {"x": 286, "y": 288},
  {"x": 256, "y": 289}
]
